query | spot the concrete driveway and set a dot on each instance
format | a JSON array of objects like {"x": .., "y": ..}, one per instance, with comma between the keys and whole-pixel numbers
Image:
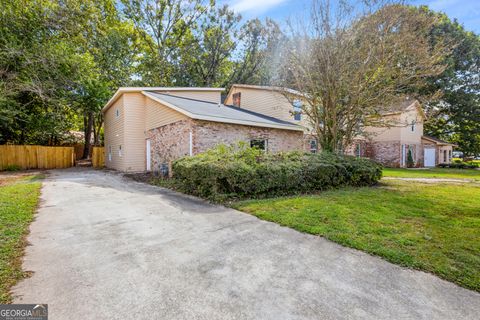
[{"x": 104, "y": 247}]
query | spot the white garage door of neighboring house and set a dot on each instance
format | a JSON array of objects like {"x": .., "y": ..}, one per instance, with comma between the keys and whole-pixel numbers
[{"x": 429, "y": 157}]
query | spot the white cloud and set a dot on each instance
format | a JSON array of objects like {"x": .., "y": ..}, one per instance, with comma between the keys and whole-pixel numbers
[{"x": 254, "y": 5}]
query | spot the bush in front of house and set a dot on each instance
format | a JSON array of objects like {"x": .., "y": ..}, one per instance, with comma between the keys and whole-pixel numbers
[
  {"x": 459, "y": 164},
  {"x": 240, "y": 171}
]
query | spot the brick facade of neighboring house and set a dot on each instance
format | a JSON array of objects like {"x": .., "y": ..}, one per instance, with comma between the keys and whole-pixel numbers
[{"x": 172, "y": 141}]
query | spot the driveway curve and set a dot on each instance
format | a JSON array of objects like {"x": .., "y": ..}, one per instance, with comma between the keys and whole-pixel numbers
[{"x": 105, "y": 247}]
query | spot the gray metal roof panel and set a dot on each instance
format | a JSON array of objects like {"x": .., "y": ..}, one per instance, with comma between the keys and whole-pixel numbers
[{"x": 210, "y": 109}]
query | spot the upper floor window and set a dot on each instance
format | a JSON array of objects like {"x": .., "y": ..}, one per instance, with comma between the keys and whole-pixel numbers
[
  {"x": 259, "y": 144},
  {"x": 237, "y": 97},
  {"x": 412, "y": 125},
  {"x": 297, "y": 110},
  {"x": 117, "y": 113}
]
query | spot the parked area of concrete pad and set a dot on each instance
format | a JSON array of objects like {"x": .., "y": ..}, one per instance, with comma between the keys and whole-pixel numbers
[{"x": 105, "y": 247}]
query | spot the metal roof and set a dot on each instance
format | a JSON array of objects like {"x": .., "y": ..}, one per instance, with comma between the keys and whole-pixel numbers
[
  {"x": 204, "y": 110},
  {"x": 123, "y": 90}
]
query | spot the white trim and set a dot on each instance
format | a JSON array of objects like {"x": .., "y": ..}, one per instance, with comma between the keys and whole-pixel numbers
[
  {"x": 149, "y": 155},
  {"x": 123, "y": 90},
  {"x": 190, "y": 141},
  {"x": 222, "y": 120}
]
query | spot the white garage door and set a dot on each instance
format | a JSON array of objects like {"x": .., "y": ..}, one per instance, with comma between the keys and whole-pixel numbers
[{"x": 429, "y": 157}]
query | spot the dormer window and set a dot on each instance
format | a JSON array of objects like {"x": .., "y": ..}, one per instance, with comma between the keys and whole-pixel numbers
[
  {"x": 236, "y": 99},
  {"x": 297, "y": 110}
]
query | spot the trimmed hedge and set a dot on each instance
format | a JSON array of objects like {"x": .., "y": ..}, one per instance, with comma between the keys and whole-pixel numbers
[
  {"x": 459, "y": 164},
  {"x": 240, "y": 171}
]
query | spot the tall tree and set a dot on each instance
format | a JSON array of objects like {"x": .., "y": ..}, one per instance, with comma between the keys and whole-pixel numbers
[
  {"x": 351, "y": 66},
  {"x": 39, "y": 65},
  {"x": 455, "y": 116},
  {"x": 206, "y": 61},
  {"x": 259, "y": 54},
  {"x": 165, "y": 27}
]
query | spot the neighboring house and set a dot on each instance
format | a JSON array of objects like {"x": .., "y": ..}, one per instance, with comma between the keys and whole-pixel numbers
[{"x": 146, "y": 128}]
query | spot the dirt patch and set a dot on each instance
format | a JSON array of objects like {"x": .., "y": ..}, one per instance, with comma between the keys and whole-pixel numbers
[
  {"x": 430, "y": 180},
  {"x": 7, "y": 177}
]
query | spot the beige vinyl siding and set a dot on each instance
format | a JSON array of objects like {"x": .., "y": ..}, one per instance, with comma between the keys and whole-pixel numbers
[
  {"x": 210, "y": 96},
  {"x": 158, "y": 115},
  {"x": 114, "y": 135},
  {"x": 406, "y": 134},
  {"x": 268, "y": 102},
  {"x": 134, "y": 149}
]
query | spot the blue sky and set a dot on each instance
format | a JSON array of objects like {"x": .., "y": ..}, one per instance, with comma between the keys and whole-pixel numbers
[{"x": 467, "y": 12}]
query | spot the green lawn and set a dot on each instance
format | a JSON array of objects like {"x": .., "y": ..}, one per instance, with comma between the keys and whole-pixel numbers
[
  {"x": 445, "y": 173},
  {"x": 431, "y": 227},
  {"x": 18, "y": 201}
]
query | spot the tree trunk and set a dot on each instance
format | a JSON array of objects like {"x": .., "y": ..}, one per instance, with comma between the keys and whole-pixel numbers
[{"x": 88, "y": 127}]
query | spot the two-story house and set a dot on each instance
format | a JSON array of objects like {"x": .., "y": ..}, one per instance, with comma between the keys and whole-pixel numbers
[{"x": 148, "y": 127}]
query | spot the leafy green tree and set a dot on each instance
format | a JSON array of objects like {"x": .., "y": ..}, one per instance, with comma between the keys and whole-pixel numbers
[
  {"x": 260, "y": 55},
  {"x": 165, "y": 27},
  {"x": 207, "y": 60},
  {"x": 455, "y": 116},
  {"x": 38, "y": 67}
]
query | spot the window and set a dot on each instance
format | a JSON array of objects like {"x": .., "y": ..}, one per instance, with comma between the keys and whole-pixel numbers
[
  {"x": 236, "y": 99},
  {"x": 117, "y": 113},
  {"x": 313, "y": 146},
  {"x": 297, "y": 110},
  {"x": 449, "y": 155},
  {"x": 412, "y": 128},
  {"x": 120, "y": 150},
  {"x": 259, "y": 144},
  {"x": 444, "y": 155},
  {"x": 358, "y": 150}
]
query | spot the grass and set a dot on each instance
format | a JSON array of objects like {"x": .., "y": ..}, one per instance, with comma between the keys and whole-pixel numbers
[
  {"x": 430, "y": 227},
  {"x": 445, "y": 173},
  {"x": 18, "y": 201}
]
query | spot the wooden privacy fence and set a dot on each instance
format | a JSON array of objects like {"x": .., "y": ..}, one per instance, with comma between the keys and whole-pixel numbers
[
  {"x": 98, "y": 157},
  {"x": 36, "y": 157}
]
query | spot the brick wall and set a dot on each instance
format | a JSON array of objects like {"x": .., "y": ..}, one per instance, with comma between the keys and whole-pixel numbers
[
  {"x": 208, "y": 134},
  {"x": 172, "y": 141},
  {"x": 387, "y": 153},
  {"x": 169, "y": 142}
]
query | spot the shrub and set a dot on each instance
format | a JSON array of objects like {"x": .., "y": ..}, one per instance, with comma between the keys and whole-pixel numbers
[
  {"x": 458, "y": 164},
  {"x": 240, "y": 171},
  {"x": 12, "y": 167}
]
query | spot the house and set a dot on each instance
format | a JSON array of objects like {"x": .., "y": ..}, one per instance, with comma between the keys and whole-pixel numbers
[{"x": 145, "y": 128}]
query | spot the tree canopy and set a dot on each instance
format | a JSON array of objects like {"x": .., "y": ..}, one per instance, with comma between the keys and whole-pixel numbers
[{"x": 60, "y": 61}]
